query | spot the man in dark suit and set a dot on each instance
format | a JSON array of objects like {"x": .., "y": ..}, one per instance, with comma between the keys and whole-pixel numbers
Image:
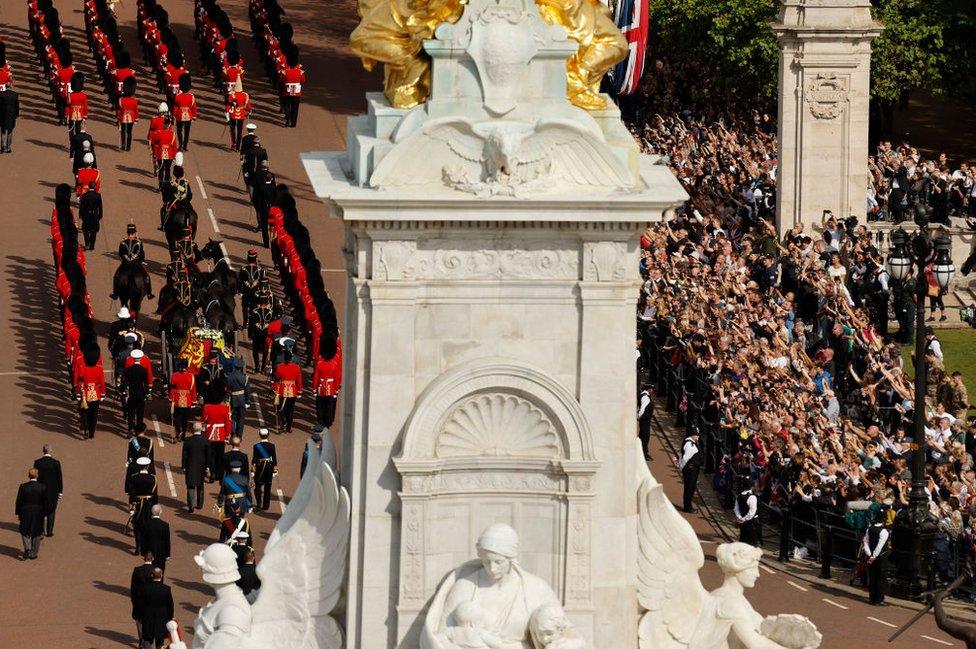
[
  {"x": 77, "y": 149},
  {"x": 155, "y": 538},
  {"x": 49, "y": 475},
  {"x": 196, "y": 459},
  {"x": 90, "y": 212},
  {"x": 141, "y": 575},
  {"x": 30, "y": 509},
  {"x": 9, "y": 112},
  {"x": 249, "y": 575},
  {"x": 235, "y": 454},
  {"x": 156, "y": 609},
  {"x": 135, "y": 380}
]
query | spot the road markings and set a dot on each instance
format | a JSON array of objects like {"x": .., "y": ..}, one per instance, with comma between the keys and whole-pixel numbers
[
  {"x": 257, "y": 411},
  {"x": 874, "y": 619},
  {"x": 213, "y": 219},
  {"x": 768, "y": 570},
  {"x": 203, "y": 192},
  {"x": 281, "y": 500},
  {"x": 169, "y": 479},
  {"x": 928, "y": 637},
  {"x": 796, "y": 585},
  {"x": 159, "y": 435},
  {"x": 833, "y": 603}
]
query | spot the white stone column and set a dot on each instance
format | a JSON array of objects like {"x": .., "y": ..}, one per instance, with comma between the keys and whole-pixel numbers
[{"x": 824, "y": 92}]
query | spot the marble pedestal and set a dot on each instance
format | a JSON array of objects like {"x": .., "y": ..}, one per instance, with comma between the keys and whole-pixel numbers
[{"x": 824, "y": 93}]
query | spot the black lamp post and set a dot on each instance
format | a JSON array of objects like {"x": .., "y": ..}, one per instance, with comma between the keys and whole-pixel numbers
[{"x": 906, "y": 251}]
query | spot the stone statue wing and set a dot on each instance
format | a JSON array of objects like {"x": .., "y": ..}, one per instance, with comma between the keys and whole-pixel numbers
[
  {"x": 303, "y": 566},
  {"x": 565, "y": 149},
  {"x": 423, "y": 155},
  {"x": 669, "y": 558}
]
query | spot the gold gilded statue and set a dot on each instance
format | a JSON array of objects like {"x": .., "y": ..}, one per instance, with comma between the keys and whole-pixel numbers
[{"x": 392, "y": 32}]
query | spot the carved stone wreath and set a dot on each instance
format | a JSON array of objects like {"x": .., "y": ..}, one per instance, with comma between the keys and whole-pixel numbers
[
  {"x": 826, "y": 95},
  {"x": 498, "y": 425}
]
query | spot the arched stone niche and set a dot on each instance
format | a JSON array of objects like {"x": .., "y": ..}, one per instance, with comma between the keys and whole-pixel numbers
[{"x": 495, "y": 440}]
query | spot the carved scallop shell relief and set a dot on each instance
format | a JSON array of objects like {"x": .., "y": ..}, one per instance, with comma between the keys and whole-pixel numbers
[{"x": 499, "y": 425}]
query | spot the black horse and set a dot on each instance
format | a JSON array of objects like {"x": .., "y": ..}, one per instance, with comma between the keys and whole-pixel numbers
[
  {"x": 221, "y": 270},
  {"x": 129, "y": 284},
  {"x": 181, "y": 215}
]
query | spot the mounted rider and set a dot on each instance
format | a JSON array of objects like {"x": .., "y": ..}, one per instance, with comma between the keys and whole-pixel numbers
[
  {"x": 176, "y": 193},
  {"x": 186, "y": 250},
  {"x": 133, "y": 255}
]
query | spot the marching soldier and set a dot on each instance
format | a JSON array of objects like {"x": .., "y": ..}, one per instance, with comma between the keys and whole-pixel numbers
[
  {"x": 250, "y": 137},
  {"x": 282, "y": 342},
  {"x": 242, "y": 548},
  {"x": 87, "y": 175},
  {"x": 326, "y": 381},
  {"x": 287, "y": 388},
  {"x": 235, "y": 454},
  {"x": 123, "y": 325},
  {"x": 233, "y": 524},
  {"x": 136, "y": 386},
  {"x": 264, "y": 189},
  {"x": 264, "y": 468},
  {"x": 185, "y": 111},
  {"x": 258, "y": 322},
  {"x": 238, "y": 109},
  {"x": 293, "y": 76},
  {"x": 875, "y": 548},
  {"x": 240, "y": 396},
  {"x": 90, "y": 211},
  {"x": 132, "y": 252},
  {"x": 142, "y": 496},
  {"x": 746, "y": 515},
  {"x": 249, "y": 278},
  {"x": 164, "y": 147},
  {"x": 76, "y": 106},
  {"x": 216, "y": 424},
  {"x": 182, "y": 396},
  {"x": 235, "y": 487},
  {"x": 89, "y": 388},
  {"x": 252, "y": 156},
  {"x": 127, "y": 113},
  {"x": 265, "y": 294},
  {"x": 140, "y": 446}
]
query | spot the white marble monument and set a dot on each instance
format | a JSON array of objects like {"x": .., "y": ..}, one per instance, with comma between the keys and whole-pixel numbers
[
  {"x": 492, "y": 248},
  {"x": 824, "y": 92}
]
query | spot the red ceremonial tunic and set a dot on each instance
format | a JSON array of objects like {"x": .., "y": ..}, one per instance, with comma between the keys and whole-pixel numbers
[
  {"x": 90, "y": 382},
  {"x": 182, "y": 389},
  {"x": 185, "y": 107},
  {"x": 128, "y": 110},
  {"x": 287, "y": 380},
  {"x": 216, "y": 421},
  {"x": 328, "y": 376},
  {"x": 77, "y": 108}
]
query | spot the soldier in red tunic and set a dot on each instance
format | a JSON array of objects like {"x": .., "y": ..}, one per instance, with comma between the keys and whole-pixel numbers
[
  {"x": 76, "y": 110},
  {"x": 127, "y": 113},
  {"x": 165, "y": 146},
  {"x": 237, "y": 109},
  {"x": 184, "y": 110},
  {"x": 87, "y": 176},
  {"x": 216, "y": 427},
  {"x": 182, "y": 396},
  {"x": 89, "y": 389},
  {"x": 326, "y": 382},
  {"x": 287, "y": 388},
  {"x": 292, "y": 78}
]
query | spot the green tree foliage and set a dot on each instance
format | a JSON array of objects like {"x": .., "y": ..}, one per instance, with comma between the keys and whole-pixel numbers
[
  {"x": 927, "y": 44},
  {"x": 731, "y": 39}
]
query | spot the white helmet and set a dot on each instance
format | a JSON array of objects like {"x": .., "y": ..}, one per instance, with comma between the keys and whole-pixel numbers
[
  {"x": 163, "y": 108},
  {"x": 178, "y": 159},
  {"x": 219, "y": 564},
  {"x": 88, "y": 158},
  {"x": 123, "y": 313}
]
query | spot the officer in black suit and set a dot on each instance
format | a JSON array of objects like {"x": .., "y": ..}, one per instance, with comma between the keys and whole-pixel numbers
[
  {"x": 49, "y": 475},
  {"x": 196, "y": 459},
  {"x": 155, "y": 538},
  {"x": 264, "y": 467},
  {"x": 142, "y": 496},
  {"x": 30, "y": 508},
  {"x": 155, "y": 611},
  {"x": 141, "y": 575}
]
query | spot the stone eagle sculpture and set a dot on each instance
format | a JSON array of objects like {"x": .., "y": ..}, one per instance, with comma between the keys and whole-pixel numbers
[
  {"x": 502, "y": 157},
  {"x": 301, "y": 574},
  {"x": 678, "y": 613}
]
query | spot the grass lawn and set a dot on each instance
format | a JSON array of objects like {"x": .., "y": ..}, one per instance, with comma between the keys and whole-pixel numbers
[{"x": 959, "y": 349}]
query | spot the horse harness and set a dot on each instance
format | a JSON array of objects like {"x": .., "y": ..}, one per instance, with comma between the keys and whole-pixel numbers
[{"x": 132, "y": 251}]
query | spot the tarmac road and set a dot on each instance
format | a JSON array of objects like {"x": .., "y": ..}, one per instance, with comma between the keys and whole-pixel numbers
[{"x": 76, "y": 593}]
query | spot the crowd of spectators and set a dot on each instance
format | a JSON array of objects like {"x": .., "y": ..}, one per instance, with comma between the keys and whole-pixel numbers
[{"x": 781, "y": 346}]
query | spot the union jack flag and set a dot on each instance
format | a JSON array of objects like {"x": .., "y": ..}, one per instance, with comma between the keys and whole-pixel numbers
[{"x": 631, "y": 18}]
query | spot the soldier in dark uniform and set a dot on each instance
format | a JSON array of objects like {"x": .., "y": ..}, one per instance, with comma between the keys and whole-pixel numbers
[
  {"x": 135, "y": 384},
  {"x": 233, "y": 523},
  {"x": 90, "y": 211},
  {"x": 118, "y": 329},
  {"x": 265, "y": 295},
  {"x": 235, "y": 454},
  {"x": 258, "y": 322},
  {"x": 132, "y": 253},
  {"x": 186, "y": 250},
  {"x": 140, "y": 446},
  {"x": 240, "y": 396},
  {"x": 235, "y": 486},
  {"x": 142, "y": 496},
  {"x": 242, "y": 548},
  {"x": 249, "y": 580},
  {"x": 249, "y": 279},
  {"x": 213, "y": 383},
  {"x": 264, "y": 468},
  {"x": 264, "y": 190}
]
